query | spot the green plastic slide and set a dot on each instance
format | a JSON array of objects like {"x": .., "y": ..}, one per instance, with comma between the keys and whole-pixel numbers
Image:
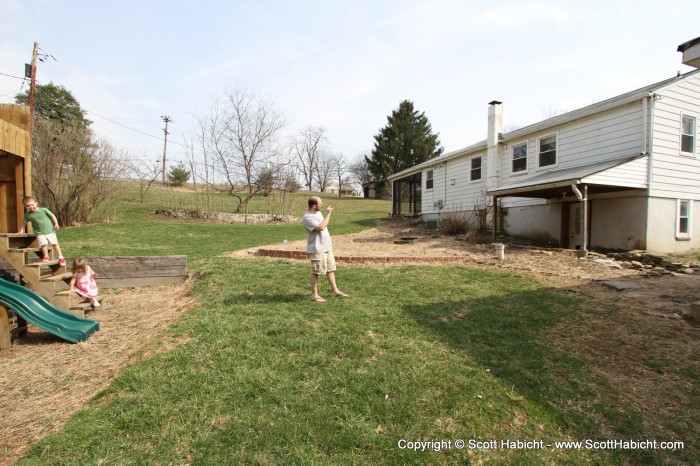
[{"x": 37, "y": 311}]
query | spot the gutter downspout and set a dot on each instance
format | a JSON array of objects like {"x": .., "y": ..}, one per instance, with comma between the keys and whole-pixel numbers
[
  {"x": 645, "y": 115},
  {"x": 445, "y": 180},
  {"x": 583, "y": 252},
  {"x": 650, "y": 162}
]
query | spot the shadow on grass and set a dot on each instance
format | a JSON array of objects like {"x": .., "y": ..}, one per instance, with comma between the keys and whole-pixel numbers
[{"x": 511, "y": 336}]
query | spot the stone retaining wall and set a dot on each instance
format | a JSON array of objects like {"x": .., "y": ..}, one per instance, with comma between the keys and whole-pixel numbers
[
  {"x": 651, "y": 263},
  {"x": 227, "y": 217}
]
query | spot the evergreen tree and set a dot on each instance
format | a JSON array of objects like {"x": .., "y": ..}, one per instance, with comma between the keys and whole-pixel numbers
[
  {"x": 405, "y": 141},
  {"x": 55, "y": 103},
  {"x": 179, "y": 175}
]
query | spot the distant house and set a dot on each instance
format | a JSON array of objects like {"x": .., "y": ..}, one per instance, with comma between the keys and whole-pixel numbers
[
  {"x": 623, "y": 173},
  {"x": 369, "y": 191},
  {"x": 345, "y": 190}
]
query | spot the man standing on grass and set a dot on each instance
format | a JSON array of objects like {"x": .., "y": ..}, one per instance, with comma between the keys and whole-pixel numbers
[{"x": 320, "y": 248}]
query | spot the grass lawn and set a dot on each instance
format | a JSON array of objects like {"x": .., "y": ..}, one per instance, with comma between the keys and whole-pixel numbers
[{"x": 417, "y": 354}]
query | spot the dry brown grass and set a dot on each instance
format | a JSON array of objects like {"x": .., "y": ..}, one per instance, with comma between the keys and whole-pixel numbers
[{"x": 44, "y": 380}]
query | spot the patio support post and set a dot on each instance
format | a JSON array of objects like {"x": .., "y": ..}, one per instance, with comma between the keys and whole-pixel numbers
[
  {"x": 585, "y": 220},
  {"x": 495, "y": 218}
]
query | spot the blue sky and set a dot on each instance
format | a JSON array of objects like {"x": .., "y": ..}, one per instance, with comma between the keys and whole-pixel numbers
[{"x": 342, "y": 65}]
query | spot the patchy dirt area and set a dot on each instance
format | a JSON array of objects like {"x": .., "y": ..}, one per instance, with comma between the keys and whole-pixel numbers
[
  {"x": 44, "y": 380},
  {"x": 409, "y": 241}
]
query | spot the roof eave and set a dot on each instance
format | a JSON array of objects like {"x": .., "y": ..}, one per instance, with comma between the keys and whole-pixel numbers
[{"x": 439, "y": 160}]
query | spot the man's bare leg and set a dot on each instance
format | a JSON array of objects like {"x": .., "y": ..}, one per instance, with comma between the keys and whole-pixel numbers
[
  {"x": 314, "y": 289},
  {"x": 334, "y": 287}
]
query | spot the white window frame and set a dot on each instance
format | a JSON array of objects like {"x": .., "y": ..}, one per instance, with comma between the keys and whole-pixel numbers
[
  {"x": 556, "y": 151},
  {"x": 512, "y": 159},
  {"x": 694, "y": 134},
  {"x": 481, "y": 169},
  {"x": 429, "y": 177},
  {"x": 689, "y": 216}
]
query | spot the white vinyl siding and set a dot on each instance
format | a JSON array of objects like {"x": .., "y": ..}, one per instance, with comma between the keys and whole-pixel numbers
[
  {"x": 614, "y": 134},
  {"x": 675, "y": 174},
  {"x": 632, "y": 174},
  {"x": 452, "y": 184},
  {"x": 688, "y": 125},
  {"x": 519, "y": 154},
  {"x": 547, "y": 151},
  {"x": 684, "y": 207}
]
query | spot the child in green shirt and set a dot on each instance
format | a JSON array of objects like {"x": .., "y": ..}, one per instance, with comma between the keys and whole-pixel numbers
[{"x": 44, "y": 226}]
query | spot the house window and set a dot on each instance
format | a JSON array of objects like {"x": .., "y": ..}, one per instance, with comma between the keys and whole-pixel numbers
[
  {"x": 429, "y": 179},
  {"x": 688, "y": 134},
  {"x": 548, "y": 151},
  {"x": 684, "y": 210},
  {"x": 520, "y": 158},
  {"x": 475, "y": 169}
]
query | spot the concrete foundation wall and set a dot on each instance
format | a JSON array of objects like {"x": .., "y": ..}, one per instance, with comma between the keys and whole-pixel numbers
[
  {"x": 618, "y": 223},
  {"x": 662, "y": 227},
  {"x": 541, "y": 222}
]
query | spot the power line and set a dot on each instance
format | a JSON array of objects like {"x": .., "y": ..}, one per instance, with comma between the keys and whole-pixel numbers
[
  {"x": 43, "y": 57},
  {"x": 17, "y": 91},
  {"x": 10, "y": 76},
  {"x": 123, "y": 126}
]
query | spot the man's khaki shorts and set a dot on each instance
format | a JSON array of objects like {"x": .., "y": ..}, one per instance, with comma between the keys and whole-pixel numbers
[{"x": 322, "y": 262}]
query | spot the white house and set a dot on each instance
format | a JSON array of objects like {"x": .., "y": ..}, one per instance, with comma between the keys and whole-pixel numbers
[
  {"x": 623, "y": 173},
  {"x": 334, "y": 188}
]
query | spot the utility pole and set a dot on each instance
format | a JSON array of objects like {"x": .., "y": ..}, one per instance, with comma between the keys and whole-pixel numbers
[
  {"x": 167, "y": 120},
  {"x": 27, "y": 161},
  {"x": 32, "y": 86}
]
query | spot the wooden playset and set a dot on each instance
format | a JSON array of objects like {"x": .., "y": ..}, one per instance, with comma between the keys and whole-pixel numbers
[{"x": 48, "y": 300}]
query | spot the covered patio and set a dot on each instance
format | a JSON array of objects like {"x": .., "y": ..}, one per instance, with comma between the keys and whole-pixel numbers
[
  {"x": 407, "y": 195},
  {"x": 572, "y": 189}
]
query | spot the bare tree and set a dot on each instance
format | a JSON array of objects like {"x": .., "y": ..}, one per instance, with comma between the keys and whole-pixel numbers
[
  {"x": 360, "y": 173},
  {"x": 240, "y": 133},
  {"x": 324, "y": 168},
  {"x": 146, "y": 172},
  {"x": 202, "y": 195},
  {"x": 339, "y": 166},
  {"x": 73, "y": 174},
  {"x": 307, "y": 147}
]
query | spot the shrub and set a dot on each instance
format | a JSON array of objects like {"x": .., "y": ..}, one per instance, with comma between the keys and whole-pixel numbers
[
  {"x": 456, "y": 223},
  {"x": 291, "y": 185}
]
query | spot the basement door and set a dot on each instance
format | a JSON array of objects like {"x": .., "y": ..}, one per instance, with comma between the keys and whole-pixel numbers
[{"x": 575, "y": 226}]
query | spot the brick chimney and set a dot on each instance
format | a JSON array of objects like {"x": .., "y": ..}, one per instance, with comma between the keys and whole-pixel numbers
[{"x": 495, "y": 130}]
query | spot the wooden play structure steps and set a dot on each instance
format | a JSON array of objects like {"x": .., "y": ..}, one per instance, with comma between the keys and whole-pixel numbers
[
  {"x": 49, "y": 279},
  {"x": 77, "y": 305}
]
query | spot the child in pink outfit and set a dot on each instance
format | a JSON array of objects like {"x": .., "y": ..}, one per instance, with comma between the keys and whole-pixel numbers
[{"x": 83, "y": 281}]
